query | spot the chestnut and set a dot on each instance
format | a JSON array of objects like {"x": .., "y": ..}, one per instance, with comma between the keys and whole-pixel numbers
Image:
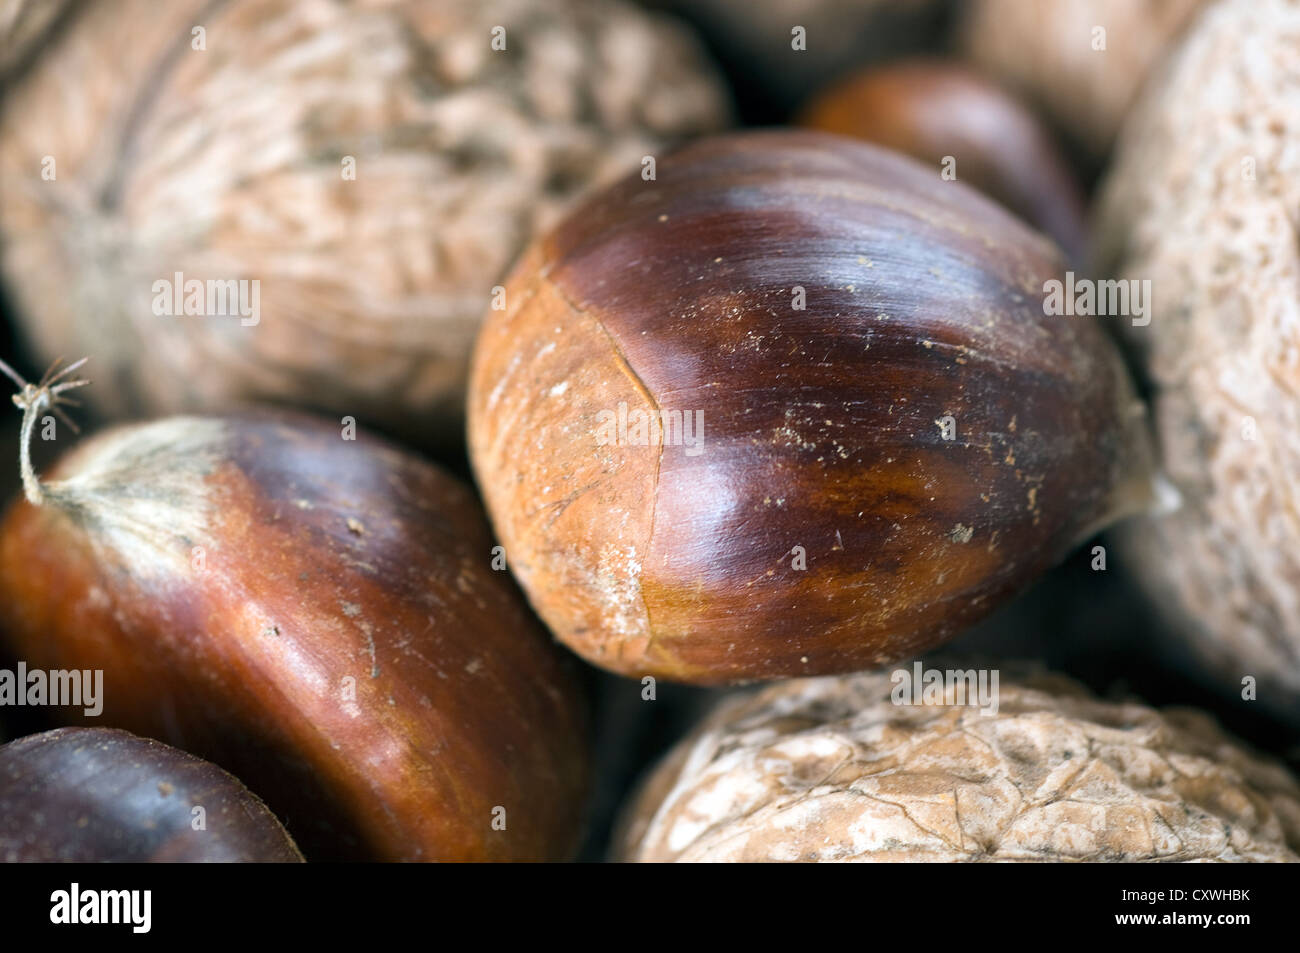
[
  {"x": 90, "y": 795},
  {"x": 793, "y": 407},
  {"x": 317, "y": 615},
  {"x": 936, "y": 111}
]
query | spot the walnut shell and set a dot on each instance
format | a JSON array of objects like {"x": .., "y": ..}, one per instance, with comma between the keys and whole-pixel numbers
[
  {"x": 227, "y": 163},
  {"x": 1203, "y": 202},
  {"x": 25, "y": 25},
  {"x": 830, "y": 769},
  {"x": 1046, "y": 50}
]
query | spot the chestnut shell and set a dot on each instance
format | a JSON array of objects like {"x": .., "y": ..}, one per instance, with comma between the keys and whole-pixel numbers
[
  {"x": 823, "y": 426},
  {"x": 930, "y": 109},
  {"x": 316, "y": 615},
  {"x": 93, "y": 795}
]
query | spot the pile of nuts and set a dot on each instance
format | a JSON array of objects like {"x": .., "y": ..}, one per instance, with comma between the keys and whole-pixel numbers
[{"x": 792, "y": 405}]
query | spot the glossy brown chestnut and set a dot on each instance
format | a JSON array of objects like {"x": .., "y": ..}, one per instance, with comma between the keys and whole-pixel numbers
[
  {"x": 90, "y": 795},
  {"x": 315, "y": 614},
  {"x": 824, "y": 523},
  {"x": 932, "y": 109}
]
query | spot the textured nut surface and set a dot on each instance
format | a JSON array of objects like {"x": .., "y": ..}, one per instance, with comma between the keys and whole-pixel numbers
[
  {"x": 1046, "y": 49},
  {"x": 1204, "y": 201},
  {"x": 226, "y": 163},
  {"x": 829, "y": 769},
  {"x": 24, "y": 26}
]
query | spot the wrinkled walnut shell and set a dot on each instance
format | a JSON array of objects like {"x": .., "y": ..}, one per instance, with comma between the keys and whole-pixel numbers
[
  {"x": 1202, "y": 202},
  {"x": 830, "y": 769},
  {"x": 228, "y": 163}
]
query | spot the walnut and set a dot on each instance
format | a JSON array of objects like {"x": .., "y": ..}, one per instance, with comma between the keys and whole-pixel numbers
[
  {"x": 222, "y": 153},
  {"x": 1204, "y": 201},
  {"x": 24, "y": 27},
  {"x": 1047, "y": 49},
  {"x": 830, "y": 769}
]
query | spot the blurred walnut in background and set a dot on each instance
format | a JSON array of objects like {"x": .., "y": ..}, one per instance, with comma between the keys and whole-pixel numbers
[
  {"x": 1204, "y": 203},
  {"x": 375, "y": 166},
  {"x": 24, "y": 27},
  {"x": 1049, "y": 49}
]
